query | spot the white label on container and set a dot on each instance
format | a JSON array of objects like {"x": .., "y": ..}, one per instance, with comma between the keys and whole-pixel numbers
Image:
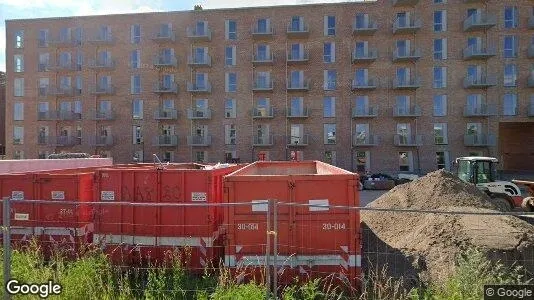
[
  {"x": 318, "y": 202},
  {"x": 260, "y": 205},
  {"x": 17, "y": 195},
  {"x": 58, "y": 195},
  {"x": 107, "y": 195},
  {"x": 197, "y": 197},
  {"x": 22, "y": 217}
]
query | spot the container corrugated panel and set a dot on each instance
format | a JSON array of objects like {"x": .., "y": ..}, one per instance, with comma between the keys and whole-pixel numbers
[
  {"x": 313, "y": 241},
  {"x": 136, "y": 234}
]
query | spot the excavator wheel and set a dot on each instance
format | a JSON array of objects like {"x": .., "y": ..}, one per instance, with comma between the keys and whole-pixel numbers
[
  {"x": 501, "y": 204},
  {"x": 528, "y": 204}
]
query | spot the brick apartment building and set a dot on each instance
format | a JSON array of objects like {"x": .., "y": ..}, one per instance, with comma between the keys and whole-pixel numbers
[
  {"x": 390, "y": 86},
  {"x": 2, "y": 113}
]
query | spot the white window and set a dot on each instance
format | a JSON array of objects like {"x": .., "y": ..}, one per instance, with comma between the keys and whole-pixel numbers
[
  {"x": 230, "y": 110},
  {"x": 329, "y": 25},
  {"x": 330, "y": 157},
  {"x": 135, "y": 84},
  {"x": 440, "y": 49},
  {"x": 135, "y": 34},
  {"x": 18, "y": 64},
  {"x": 440, "y": 21},
  {"x": 443, "y": 160},
  {"x": 440, "y": 77},
  {"x": 329, "y": 52},
  {"x": 330, "y": 80},
  {"x": 18, "y": 90},
  {"x": 230, "y": 134},
  {"x": 510, "y": 46},
  {"x": 510, "y": 75},
  {"x": 329, "y": 107},
  {"x": 362, "y": 161},
  {"x": 440, "y": 1},
  {"x": 230, "y": 55},
  {"x": 231, "y": 82},
  {"x": 135, "y": 59},
  {"x": 511, "y": 16},
  {"x": 406, "y": 161},
  {"x": 44, "y": 62},
  {"x": 510, "y": 104},
  {"x": 440, "y": 133},
  {"x": 440, "y": 105},
  {"x": 137, "y": 109},
  {"x": 18, "y": 111},
  {"x": 329, "y": 134},
  {"x": 19, "y": 39},
  {"x": 231, "y": 30},
  {"x": 201, "y": 156},
  {"x": 18, "y": 135},
  {"x": 43, "y": 38},
  {"x": 137, "y": 135}
]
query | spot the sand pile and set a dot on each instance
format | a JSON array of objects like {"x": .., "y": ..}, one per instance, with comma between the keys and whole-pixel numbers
[{"x": 423, "y": 246}]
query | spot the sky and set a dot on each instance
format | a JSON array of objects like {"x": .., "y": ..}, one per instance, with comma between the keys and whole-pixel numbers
[{"x": 27, "y": 9}]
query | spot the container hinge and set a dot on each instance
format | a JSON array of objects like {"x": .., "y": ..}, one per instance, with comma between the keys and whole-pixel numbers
[{"x": 291, "y": 184}]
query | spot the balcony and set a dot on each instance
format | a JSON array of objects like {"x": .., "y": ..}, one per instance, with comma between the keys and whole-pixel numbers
[
  {"x": 258, "y": 33},
  {"x": 367, "y": 28},
  {"x": 480, "y": 21},
  {"x": 166, "y": 114},
  {"x": 407, "y": 83},
  {"x": 482, "y": 82},
  {"x": 166, "y": 140},
  {"x": 263, "y": 113},
  {"x": 298, "y": 141},
  {"x": 302, "y": 30},
  {"x": 479, "y": 140},
  {"x": 165, "y": 88},
  {"x": 43, "y": 67},
  {"x": 106, "y": 64},
  {"x": 267, "y": 59},
  {"x": 64, "y": 67},
  {"x": 164, "y": 36},
  {"x": 64, "y": 42},
  {"x": 198, "y": 35},
  {"x": 201, "y": 61},
  {"x": 102, "y": 140},
  {"x": 103, "y": 115},
  {"x": 101, "y": 39},
  {"x": 397, "y": 3},
  {"x": 483, "y": 110},
  {"x": 365, "y": 112},
  {"x": 43, "y": 92},
  {"x": 298, "y": 58},
  {"x": 61, "y": 91},
  {"x": 297, "y": 113},
  {"x": 47, "y": 115},
  {"x": 63, "y": 141},
  {"x": 198, "y": 88},
  {"x": 367, "y": 84},
  {"x": 479, "y": 52},
  {"x": 409, "y": 26},
  {"x": 198, "y": 114},
  {"x": 263, "y": 141},
  {"x": 412, "y": 111},
  {"x": 401, "y": 140},
  {"x": 162, "y": 61},
  {"x": 365, "y": 140},
  {"x": 103, "y": 90},
  {"x": 530, "y": 51},
  {"x": 364, "y": 57},
  {"x": 303, "y": 86},
  {"x": 263, "y": 86},
  {"x": 401, "y": 55},
  {"x": 67, "y": 115},
  {"x": 530, "y": 22},
  {"x": 199, "y": 140}
]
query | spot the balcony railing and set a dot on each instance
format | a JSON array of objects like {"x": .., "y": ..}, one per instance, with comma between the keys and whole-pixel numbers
[
  {"x": 368, "y": 84},
  {"x": 298, "y": 113},
  {"x": 259, "y": 85},
  {"x": 199, "y": 140},
  {"x": 43, "y": 67},
  {"x": 298, "y": 141},
  {"x": 47, "y": 115},
  {"x": 475, "y": 52},
  {"x": 165, "y": 61},
  {"x": 265, "y": 60},
  {"x": 404, "y": 2},
  {"x": 479, "y": 21},
  {"x": 43, "y": 91},
  {"x": 411, "y": 25},
  {"x": 298, "y": 86},
  {"x": 408, "y": 140},
  {"x": 365, "y": 141},
  {"x": 166, "y": 140},
  {"x": 103, "y": 90},
  {"x": 204, "y": 60},
  {"x": 259, "y": 113},
  {"x": 366, "y": 112},
  {"x": 480, "y": 140},
  {"x": 301, "y": 30},
  {"x": 367, "y": 28},
  {"x": 64, "y": 42},
  {"x": 195, "y": 34},
  {"x": 365, "y": 57},
  {"x": 102, "y": 140},
  {"x": 164, "y": 36},
  {"x": 257, "y": 33},
  {"x": 475, "y": 1},
  {"x": 302, "y": 57},
  {"x": 262, "y": 141},
  {"x": 64, "y": 141},
  {"x": 407, "y": 83},
  {"x": 482, "y": 82},
  {"x": 61, "y": 90},
  {"x": 103, "y": 115},
  {"x": 165, "y": 88},
  {"x": 196, "y": 88},
  {"x": 107, "y": 64},
  {"x": 166, "y": 114},
  {"x": 481, "y": 111},
  {"x": 403, "y": 111},
  {"x": 67, "y": 115},
  {"x": 198, "y": 114},
  {"x": 406, "y": 55},
  {"x": 101, "y": 39},
  {"x": 64, "y": 67}
]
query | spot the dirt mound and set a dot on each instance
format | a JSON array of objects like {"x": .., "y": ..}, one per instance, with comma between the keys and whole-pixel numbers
[{"x": 424, "y": 246}]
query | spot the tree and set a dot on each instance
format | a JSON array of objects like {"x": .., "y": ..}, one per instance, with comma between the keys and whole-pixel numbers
[
  {"x": 198, "y": 7},
  {"x": 2, "y": 78}
]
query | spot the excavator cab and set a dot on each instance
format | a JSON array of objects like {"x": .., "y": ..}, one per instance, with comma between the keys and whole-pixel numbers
[{"x": 477, "y": 170}]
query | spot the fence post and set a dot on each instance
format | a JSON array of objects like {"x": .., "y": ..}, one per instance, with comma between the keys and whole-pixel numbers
[
  {"x": 267, "y": 253},
  {"x": 7, "y": 245},
  {"x": 275, "y": 248}
]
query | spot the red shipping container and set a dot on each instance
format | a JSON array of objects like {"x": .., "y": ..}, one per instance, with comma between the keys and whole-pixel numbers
[
  {"x": 138, "y": 234},
  {"x": 312, "y": 241}
]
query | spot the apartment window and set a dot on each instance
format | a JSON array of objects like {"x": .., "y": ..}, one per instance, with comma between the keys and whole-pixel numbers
[
  {"x": 19, "y": 39},
  {"x": 18, "y": 63},
  {"x": 201, "y": 156},
  {"x": 405, "y": 161},
  {"x": 263, "y": 80},
  {"x": 440, "y": 1},
  {"x": 362, "y": 20},
  {"x": 135, "y": 59},
  {"x": 137, "y": 109},
  {"x": 231, "y": 82},
  {"x": 329, "y": 52},
  {"x": 361, "y": 133},
  {"x": 79, "y": 60},
  {"x": 201, "y": 107},
  {"x": 262, "y": 52},
  {"x": 440, "y": 49},
  {"x": 44, "y": 62},
  {"x": 510, "y": 104},
  {"x": 329, "y": 25},
  {"x": 440, "y": 21},
  {"x": 362, "y": 161},
  {"x": 231, "y": 30},
  {"x": 440, "y": 105},
  {"x": 330, "y": 80},
  {"x": 230, "y": 53},
  {"x": 361, "y": 105},
  {"x": 135, "y": 84},
  {"x": 18, "y": 154},
  {"x": 329, "y": 107},
  {"x": 137, "y": 135},
  {"x": 78, "y": 108},
  {"x": 297, "y": 79},
  {"x": 18, "y": 111},
  {"x": 297, "y": 107},
  {"x": 230, "y": 134},
  {"x": 511, "y": 16},
  {"x": 330, "y": 134},
  {"x": 510, "y": 75},
  {"x": 440, "y": 77},
  {"x": 18, "y": 90},
  {"x": 18, "y": 135},
  {"x": 135, "y": 32},
  {"x": 264, "y": 26},
  {"x": 43, "y": 38},
  {"x": 330, "y": 157},
  {"x": 510, "y": 46},
  {"x": 230, "y": 110},
  {"x": 440, "y": 133},
  {"x": 442, "y": 160}
]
